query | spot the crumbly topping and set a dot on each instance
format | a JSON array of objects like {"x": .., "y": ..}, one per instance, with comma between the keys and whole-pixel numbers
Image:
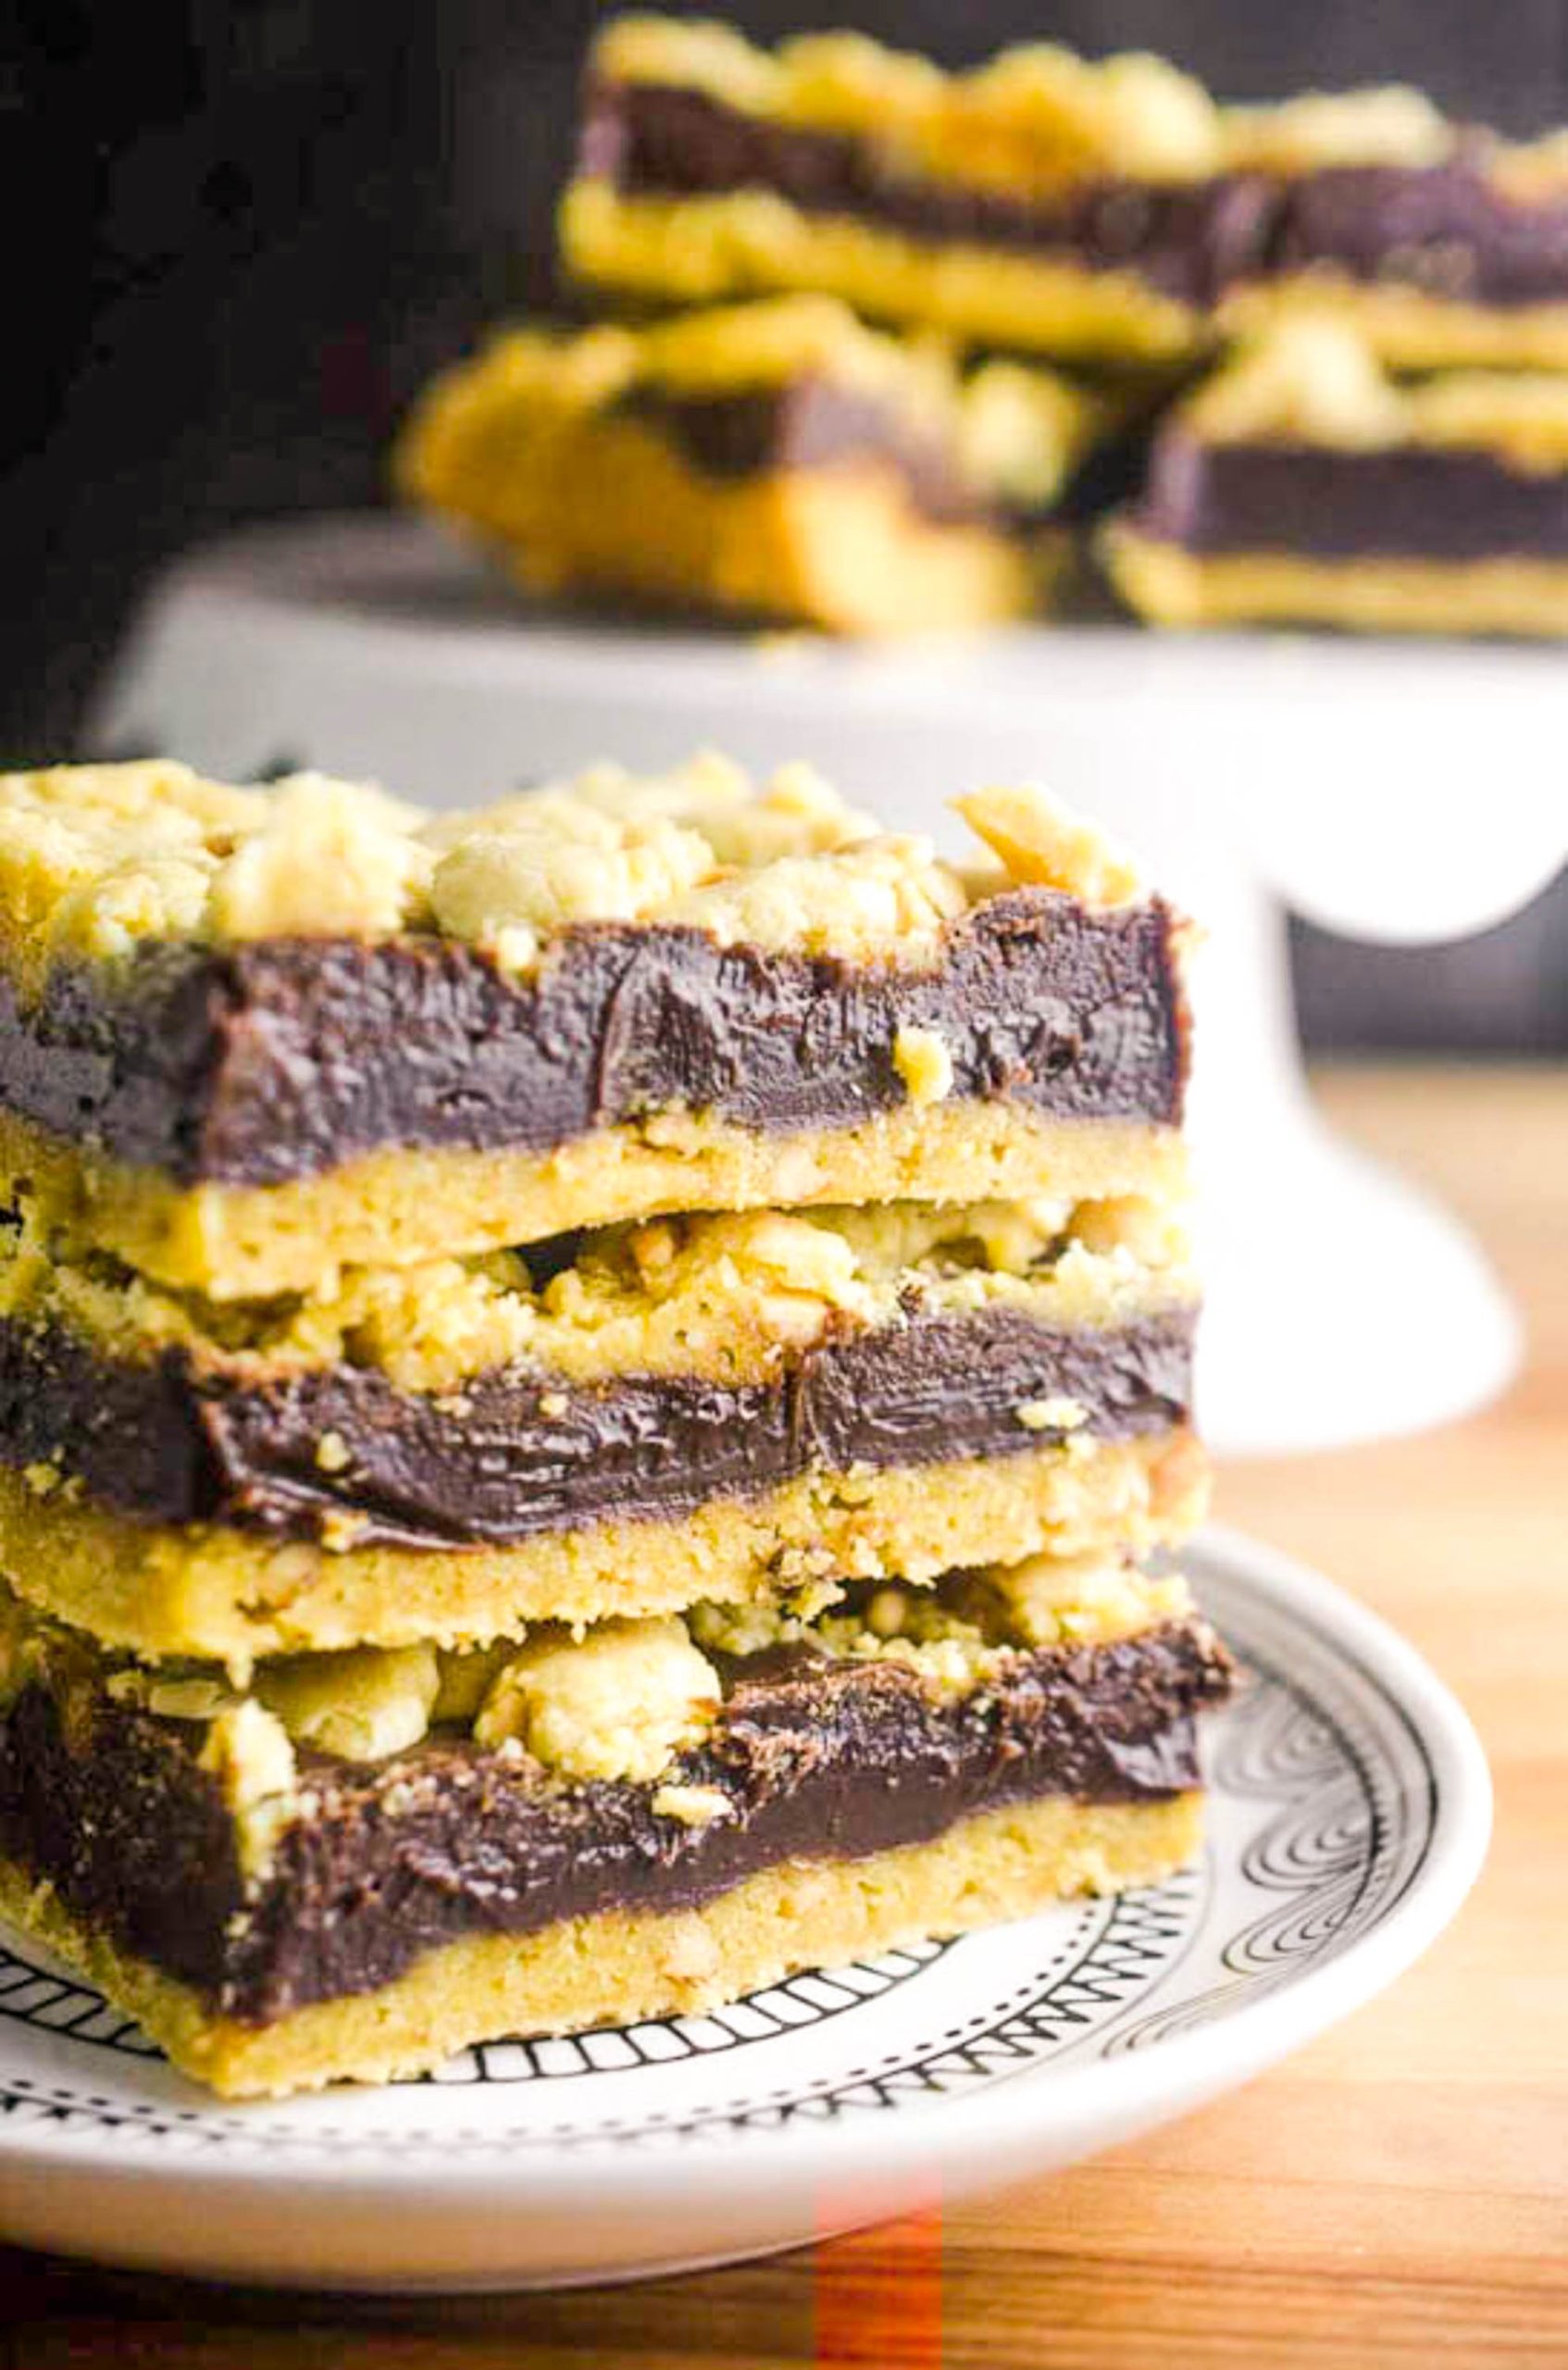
[
  {"x": 1389, "y": 125},
  {"x": 513, "y": 417},
  {"x": 619, "y": 1700},
  {"x": 1043, "y": 844},
  {"x": 622, "y": 1703},
  {"x": 508, "y": 889},
  {"x": 882, "y": 898},
  {"x": 1032, "y": 116},
  {"x": 98, "y": 861},
  {"x": 957, "y": 1634},
  {"x": 333, "y": 859},
  {"x": 1312, "y": 380},
  {"x": 725, "y": 1296},
  {"x": 692, "y": 1805},
  {"x": 1321, "y": 381},
  {"x": 923, "y": 1061},
  {"x": 199, "y": 1696},
  {"x": 366, "y": 1703},
  {"x": 1051, "y": 1414},
  {"x": 247, "y": 1749}
]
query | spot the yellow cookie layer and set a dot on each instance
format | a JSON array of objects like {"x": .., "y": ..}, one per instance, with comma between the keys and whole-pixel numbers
[
  {"x": 697, "y": 250},
  {"x": 842, "y": 547},
  {"x": 1172, "y": 587},
  {"x": 236, "y": 1241},
  {"x": 233, "y": 1597}
]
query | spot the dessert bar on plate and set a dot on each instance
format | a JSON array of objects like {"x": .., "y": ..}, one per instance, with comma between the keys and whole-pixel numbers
[
  {"x": 1300, "y": 483},
  {"x": 249, "y": 1036},
  {"x": 775, "y": 459},
  {"x": 369, "y": 1859},
  {"x": 611, "y": 1423}
]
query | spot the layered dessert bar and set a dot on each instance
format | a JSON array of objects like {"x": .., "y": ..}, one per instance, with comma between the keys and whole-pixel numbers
[
  {"x": 249, "y": 1037},
  {"x": 775, "y": 460},
  {"x": 1038, "y": 203},
  {"x": 615, "y": 1423},
  {"x": 1044, "y": 202},
  {"x": 367, "y": 1861},
  {"x": 581, "y": 1386},
  {"x": 1440, "y": 242},
  {"x": 1301, "y": 483}
]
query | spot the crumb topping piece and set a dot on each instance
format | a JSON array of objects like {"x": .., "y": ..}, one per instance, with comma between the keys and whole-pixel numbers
[
  {"x": 622, "y": 1702},
  {"x": 1320, "y": 382},
  {"x": 1388, "y": 124}
]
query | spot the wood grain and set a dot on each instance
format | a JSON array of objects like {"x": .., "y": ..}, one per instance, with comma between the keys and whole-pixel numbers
[{"x": 1396, "y": 2194}]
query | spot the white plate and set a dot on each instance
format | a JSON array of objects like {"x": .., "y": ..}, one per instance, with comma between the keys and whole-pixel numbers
[{"x": 1350, "y": 1813}]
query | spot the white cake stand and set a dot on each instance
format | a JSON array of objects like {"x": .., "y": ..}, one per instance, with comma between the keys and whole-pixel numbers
[{"x": 1395, "y": 791}]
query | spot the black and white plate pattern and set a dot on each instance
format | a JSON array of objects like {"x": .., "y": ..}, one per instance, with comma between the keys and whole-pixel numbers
[{"x": 1348, "y": 1816}]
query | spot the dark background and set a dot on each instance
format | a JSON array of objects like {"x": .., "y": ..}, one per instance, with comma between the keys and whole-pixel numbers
[{"x": 241, "y": 231}]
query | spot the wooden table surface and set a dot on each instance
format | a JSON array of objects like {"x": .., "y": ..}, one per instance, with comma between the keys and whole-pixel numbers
[{"x": 1397, "y": 2193}]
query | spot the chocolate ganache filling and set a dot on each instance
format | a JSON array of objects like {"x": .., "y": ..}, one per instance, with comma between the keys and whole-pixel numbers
[
  {"x": 527, "y": 1456},
  {"x": 1453, "y": 503},
  {"x": 1186, "y": 238},
  {"x": 281, "y": 1059},
  {"x": 820, "y": 1760},
  {"x": 1446, "y": 230}
]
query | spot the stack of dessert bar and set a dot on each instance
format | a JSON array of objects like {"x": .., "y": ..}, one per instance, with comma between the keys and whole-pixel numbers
[
  {"x": 581, "y": 1385},
  {"x": 1039, "y": 213}
]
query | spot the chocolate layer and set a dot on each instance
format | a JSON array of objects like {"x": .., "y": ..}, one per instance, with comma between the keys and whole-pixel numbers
[
  {"x": 1453, "y": 504},
  {"x": 166, "y": 1442},
  {"x": 820, "y": 1760},
  {"x": 814, "y": 422},
  {"x": 1448, "y": 230},
  {"x": 1186, "y": 238},
  {"x": 257, "y": 1063}
]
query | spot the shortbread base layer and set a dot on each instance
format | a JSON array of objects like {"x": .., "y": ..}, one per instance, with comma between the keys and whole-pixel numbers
[
  {"x": 228, "y": 1596},
  {"x": 1409, "y": 329},
  {"x": 235, "y": 1242},
  {"x": 623, "y": 1969},
  {"x": 1169, "y": 586},
  {"x": 842, "y": 548},
  {"x": 694, "y": 250}
]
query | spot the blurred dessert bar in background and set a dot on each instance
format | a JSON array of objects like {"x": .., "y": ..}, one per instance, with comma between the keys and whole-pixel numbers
[
  {"x": 1301, "y": 482},
  {"x": 1111, "y": 209},
  {"x": 776, "y": 460}
]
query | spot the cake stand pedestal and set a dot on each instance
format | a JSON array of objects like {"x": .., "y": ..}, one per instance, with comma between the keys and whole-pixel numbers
[{"x": 1401, "y": 792}]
